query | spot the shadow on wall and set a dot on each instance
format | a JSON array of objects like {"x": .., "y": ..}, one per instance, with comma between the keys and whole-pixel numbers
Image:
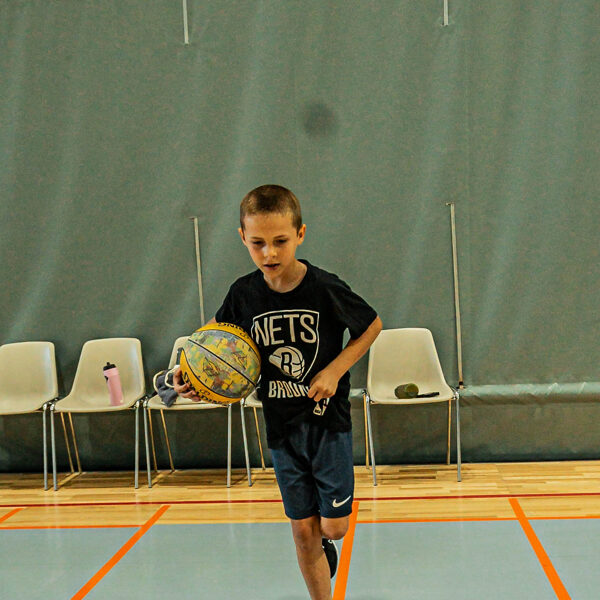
[{"x": 319, "y": 120}]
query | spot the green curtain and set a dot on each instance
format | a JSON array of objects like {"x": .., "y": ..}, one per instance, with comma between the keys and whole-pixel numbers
[{"x": 113, "y": 133}]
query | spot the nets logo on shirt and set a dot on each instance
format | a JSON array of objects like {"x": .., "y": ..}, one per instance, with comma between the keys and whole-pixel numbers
[
  {"x": 289, "y": 360},
  {"x": 290, "y": 339}
]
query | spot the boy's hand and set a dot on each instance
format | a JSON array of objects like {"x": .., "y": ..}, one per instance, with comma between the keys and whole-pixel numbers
[
  {"x": 183, "y": 389},
  {"x": 323, "y": 384}
]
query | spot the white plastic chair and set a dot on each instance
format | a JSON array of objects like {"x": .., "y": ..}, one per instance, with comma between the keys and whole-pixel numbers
[
  {"x": 155, "y": 403},
  {"x": 89, "y": 393},
  {"x": 400, "y": 356},
  {"x": 28, "y": 382},
  {"x": 254, "y": 403}
]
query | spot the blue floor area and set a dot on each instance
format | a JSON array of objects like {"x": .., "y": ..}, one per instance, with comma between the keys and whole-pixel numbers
[
  {"x": 53, "y": 564},
  {"x": 390, "y": 561},
  {"x": 574, "y": 549},
  {"x": 445, "y": 561},
  {"x": 242, "y": 561}
]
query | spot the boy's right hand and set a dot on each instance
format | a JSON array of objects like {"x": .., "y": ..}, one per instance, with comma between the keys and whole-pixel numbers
[{"x": 183, "y": 389}]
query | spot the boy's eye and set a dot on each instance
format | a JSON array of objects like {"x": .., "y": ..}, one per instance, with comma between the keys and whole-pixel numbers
[
  {"x": 257, "y": 244},
  {"x": 280, "y": 242}
]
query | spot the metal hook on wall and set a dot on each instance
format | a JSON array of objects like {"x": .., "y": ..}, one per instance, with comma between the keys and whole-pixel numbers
[
  {"x": 186, "y": 36},
  {"x": 198, "y": 267}
]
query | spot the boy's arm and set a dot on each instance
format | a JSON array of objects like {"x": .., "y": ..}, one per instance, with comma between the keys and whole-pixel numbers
[
  {"x": 324, "y": 384},
  {"x": 182, "y": 388}
]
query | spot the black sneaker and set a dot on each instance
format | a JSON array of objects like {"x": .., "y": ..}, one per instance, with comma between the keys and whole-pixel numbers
[{"x": 332, "y": 555}]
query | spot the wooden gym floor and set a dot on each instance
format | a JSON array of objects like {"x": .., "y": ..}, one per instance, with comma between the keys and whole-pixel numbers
[{"x": 514, "y": 530}]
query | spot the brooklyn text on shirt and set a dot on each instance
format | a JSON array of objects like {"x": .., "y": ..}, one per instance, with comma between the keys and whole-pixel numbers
[
  {"x": 292, "y": 339},
  {"x": 287, "y": 389}
]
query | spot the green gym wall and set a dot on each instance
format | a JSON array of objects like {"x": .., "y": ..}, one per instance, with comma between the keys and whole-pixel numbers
[{"x": 114, "y": 131}]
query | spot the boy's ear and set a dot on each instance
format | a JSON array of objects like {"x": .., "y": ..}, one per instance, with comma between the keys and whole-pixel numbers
[
  {"x": 241, "y": 232},
  {"x": 301, "y": 233}
]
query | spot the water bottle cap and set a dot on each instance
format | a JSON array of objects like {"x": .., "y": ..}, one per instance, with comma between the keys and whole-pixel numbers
[{"x": 108, "y": 366}]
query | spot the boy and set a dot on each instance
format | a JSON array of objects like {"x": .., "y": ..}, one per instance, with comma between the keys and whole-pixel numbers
[{"x": 297, "y": 315}]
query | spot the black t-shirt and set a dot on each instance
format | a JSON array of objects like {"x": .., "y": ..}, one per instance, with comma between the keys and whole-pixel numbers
[{"x": 298, "y": 334}]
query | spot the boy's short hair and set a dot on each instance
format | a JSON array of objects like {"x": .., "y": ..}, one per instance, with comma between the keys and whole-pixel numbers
[{"x": 271, "y": 199}]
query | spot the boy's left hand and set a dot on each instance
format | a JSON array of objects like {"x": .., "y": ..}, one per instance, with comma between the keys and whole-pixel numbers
[{"x": 323, "y": 385}]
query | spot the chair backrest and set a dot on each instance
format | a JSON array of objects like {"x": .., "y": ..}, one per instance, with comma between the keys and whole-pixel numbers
[
  {"x": 401, "y": 356},
  {"x": 179, "y": 342},
  {"x": 125, "y": 354},
  {"x": 28, "y": 370}
]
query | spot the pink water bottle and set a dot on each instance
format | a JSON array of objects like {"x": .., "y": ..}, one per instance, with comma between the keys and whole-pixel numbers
[{"x": 111, "y": 374}]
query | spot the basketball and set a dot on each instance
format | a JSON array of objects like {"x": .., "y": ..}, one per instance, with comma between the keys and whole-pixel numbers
[{"x": 221, "y": 362}]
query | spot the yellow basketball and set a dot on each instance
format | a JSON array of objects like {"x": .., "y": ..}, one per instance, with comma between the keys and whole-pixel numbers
[{"x": 221, "y": 362}]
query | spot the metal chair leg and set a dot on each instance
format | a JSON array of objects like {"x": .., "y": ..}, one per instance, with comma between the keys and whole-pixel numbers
[
  {"x": 368, "y": 402},
  {"x": 53, "y": 442},
  {"x": 147, "y": 416},
  {"x": 458, "y": 450},
  {"x": 152, "y": 445},
  {"x": 243, "y": 419},
  {"x": 137, "y": 444},
  {"x": 449, "y": 430},
  {"x": 260, "y": 448},
  {"x": 366, "y": 432},
  {"x": 164, "y": 424},
  {"x": 67, "y": 444},
  {"x": 229, "y": 445},
  {"x": 45, "y": 444},
  {"x": 75, "y": 443}
]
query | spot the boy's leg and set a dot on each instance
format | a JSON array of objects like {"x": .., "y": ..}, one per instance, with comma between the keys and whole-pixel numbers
[
  {"x": 308, "y": 535},
  {"x": 317, "y": 488},
  {"x": 334, "y": 529},
  {"x": 293, "y": 471},
  {"x": 311, "y": 558}
]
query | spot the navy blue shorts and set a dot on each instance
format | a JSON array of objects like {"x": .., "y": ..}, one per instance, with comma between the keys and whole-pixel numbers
[{"x": 315, "y": 472}]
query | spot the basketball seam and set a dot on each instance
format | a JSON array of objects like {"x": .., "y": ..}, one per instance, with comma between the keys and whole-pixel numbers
[
  {"x": 257, "y": 354},
  {"x": 206, "y": 396},
  {"x": 221, "y": 360}
]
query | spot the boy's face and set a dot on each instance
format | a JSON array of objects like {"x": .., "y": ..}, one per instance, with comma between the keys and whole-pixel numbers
[{"x": 272, "y": 239}]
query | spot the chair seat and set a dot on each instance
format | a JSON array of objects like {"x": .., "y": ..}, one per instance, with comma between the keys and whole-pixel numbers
[
  {"x": 379, "y": 393},
  {"x": 18, "y": 406},
  {"x": 253, "y": 404},
  {"x": 156, "y": 403},
  {"x": 252, "y": 401},
  {"x": 394, "y": 400},
  {"x": 91, "y": 404}
]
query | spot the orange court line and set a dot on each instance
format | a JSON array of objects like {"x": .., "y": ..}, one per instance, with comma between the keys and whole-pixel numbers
[
  {"x": 564, "y": 518},
  {"x": 478, "y": 496},
  {"x": 557, "y": 585},
  {"x": 436, "y": 520},
  {"x": 278, "y": 501},
  {"x": 341, "y": 580},
  {"x": 477, "y": 519},
  {"x": 69, "y": 527},
  {"x": 120, "y": 554},
  {"x": 359, "y": 521},
  {"x": 10, "y": 514}
]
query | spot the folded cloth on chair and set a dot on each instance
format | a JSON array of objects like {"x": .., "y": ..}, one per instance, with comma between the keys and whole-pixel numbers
[{"x": 163, "y": 384}]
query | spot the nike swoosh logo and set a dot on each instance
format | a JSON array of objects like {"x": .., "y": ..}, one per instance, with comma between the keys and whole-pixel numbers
[{"x": 336, "y": 503}]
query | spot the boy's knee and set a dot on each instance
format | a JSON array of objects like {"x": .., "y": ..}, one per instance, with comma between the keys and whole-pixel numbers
[
  {"x": 307, "y": 536},
  {"x": 334, "y": 530}
]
